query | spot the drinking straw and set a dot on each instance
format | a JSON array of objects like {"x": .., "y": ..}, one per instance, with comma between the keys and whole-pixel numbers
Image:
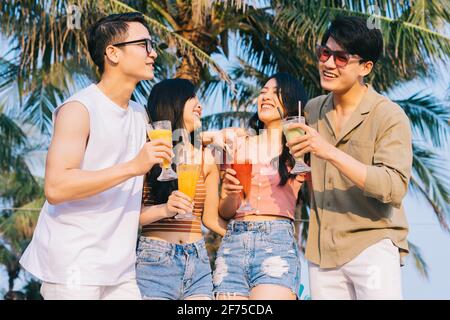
[{"x": 299, "y": 108}]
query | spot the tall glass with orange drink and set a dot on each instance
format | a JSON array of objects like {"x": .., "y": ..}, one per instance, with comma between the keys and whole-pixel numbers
[
  {"x": 162, "y": 130},
  {"x": 188, "y": 175}
]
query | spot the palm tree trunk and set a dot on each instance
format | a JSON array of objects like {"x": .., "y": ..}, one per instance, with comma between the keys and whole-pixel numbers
[{"x": 190, "y": 69}]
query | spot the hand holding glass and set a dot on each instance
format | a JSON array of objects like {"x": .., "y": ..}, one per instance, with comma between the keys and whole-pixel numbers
[
  {"x": 291, "y": 134},
  {"x": 162, "y": 130},
  {"x": 188, "y": 175}
]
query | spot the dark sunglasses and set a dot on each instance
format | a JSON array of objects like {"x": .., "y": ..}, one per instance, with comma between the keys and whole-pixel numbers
[
  {"x": 341, "y": 58},
  {"x": 150, "y": 44}
]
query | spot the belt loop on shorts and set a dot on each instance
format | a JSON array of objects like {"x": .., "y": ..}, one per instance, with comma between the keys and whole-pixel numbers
[
  {"x": 197, "y": 249},
  {"x": 265, "y": 227},
  {"x": 232, "y": 225}
]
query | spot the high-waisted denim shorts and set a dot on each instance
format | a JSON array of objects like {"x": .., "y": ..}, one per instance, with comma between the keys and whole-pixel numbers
[
  {"x": 254, "y": 253},
  {"x": 167, "y": 271}
]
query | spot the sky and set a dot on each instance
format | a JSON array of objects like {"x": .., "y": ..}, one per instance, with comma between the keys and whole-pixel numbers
[{"x": 425, "y": 231}]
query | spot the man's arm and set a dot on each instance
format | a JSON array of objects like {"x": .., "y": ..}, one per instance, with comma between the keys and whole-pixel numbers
[
  {"x": 65, "y": 181},
  {"x": 387, "y": 179}
]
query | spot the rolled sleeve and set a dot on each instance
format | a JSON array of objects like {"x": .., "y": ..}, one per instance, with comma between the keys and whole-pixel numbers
[{"x": 387, "y": 179}]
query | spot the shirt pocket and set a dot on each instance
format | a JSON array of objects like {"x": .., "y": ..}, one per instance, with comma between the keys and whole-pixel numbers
[{"x": 361, "y": 150}]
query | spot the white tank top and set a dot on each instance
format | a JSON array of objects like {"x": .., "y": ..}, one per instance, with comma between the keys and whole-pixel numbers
[{"x": 92, "y": 241}]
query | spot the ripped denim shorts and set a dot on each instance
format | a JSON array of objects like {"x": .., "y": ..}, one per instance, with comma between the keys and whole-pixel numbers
[{"x": 254, "y": 253}]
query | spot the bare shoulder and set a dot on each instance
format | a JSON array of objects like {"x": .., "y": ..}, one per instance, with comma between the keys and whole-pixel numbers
[
  {"x": 70, "y": 136},
  {"x": 72, "y": 119},
  {"x": 73, "y": 109}
]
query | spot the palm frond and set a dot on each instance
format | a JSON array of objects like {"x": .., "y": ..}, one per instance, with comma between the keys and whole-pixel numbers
[
  {"x": 409, "y": 48},
  {"x": 33, "y": 97},
  {"x": 20, "y": 185},
  {"x": 419, "y": 260},
  {"x": 39, "y": 30},
  {"x": 16, "y": 180},
  {"x": 19, "y": 226},
  {"x": 429, "y": 118},
  {"x": 183, "y": 45},
  {"x": 431, "y": 179},
  {"x": 11, "y": 263},
  {"x": 16, "y": 231},
  {"x": 247, "y": 89},
  {"x": 11, "y": 138}
]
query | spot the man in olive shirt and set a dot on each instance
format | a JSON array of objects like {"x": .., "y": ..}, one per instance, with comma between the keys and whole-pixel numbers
[{"x": 361, "y": 158}]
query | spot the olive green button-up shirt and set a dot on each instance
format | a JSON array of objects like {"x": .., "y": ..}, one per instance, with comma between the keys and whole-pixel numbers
[{"x": 344, "y": 219}]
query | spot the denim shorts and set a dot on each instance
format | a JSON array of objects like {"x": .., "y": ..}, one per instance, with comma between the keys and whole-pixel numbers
[
  {"x": 168, "y": 271},
  {"x": 254, "y": 253}
]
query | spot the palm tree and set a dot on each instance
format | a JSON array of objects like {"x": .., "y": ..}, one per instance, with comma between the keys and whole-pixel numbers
[
  {"x": 51, "y": 60},
  {"x": 17, "y": 184}
]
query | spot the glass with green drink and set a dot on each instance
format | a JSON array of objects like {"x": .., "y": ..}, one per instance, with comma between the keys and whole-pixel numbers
[{"x": 290, "y": 134}]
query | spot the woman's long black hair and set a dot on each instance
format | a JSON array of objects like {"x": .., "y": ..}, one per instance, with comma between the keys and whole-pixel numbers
[
  {"x": 166, "y": 102},
  {"x": 290, "y": 91}
]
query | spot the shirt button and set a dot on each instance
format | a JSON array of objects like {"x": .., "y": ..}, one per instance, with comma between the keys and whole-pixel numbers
[
  {"x": 260, "y": 184},
  {"x": 257, "y": 211},
  {"x": 259, "y": 198}
]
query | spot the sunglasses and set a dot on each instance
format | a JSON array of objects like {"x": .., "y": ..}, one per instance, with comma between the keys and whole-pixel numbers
[
  {"x": 341, "y": 58},
  {"x": 150, "y": 44}
]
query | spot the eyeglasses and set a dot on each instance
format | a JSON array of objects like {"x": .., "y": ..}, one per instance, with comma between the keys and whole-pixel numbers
[
  {"x": 150, "y": 44},
  {"x": 341, "y": 58}
]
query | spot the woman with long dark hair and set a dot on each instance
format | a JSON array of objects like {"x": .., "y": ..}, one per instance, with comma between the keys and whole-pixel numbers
[
  {"x": 172, "y": 261},
  {"x": 258, "y": 257}
]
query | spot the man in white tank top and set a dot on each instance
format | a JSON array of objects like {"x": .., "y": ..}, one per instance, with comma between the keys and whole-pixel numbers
[{"x": 84, "y": 243}]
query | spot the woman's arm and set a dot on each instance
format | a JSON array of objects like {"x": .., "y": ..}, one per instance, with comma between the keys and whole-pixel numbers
[
  {"x": 211, "y": 218},
  {"x": 230, "y": 196},
  {"x": 150, "y": 214},
  {"x": 178, "y": 203}
]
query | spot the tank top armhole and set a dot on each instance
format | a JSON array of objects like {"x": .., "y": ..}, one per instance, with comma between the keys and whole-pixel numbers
[{"x": 55, "y": 112}]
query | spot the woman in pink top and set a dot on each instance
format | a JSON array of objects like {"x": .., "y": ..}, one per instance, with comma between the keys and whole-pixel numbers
[{"x": 258, "y": 257}]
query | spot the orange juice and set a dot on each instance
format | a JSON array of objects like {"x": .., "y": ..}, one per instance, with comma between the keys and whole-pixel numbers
[
  {"x": 161, "y": 134},
  {"x": 188, "y": 175}
]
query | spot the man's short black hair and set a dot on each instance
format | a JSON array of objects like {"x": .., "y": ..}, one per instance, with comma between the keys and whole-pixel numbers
[
  {"x": 108, "y": 30},
  {"x": 355, "y": 37}
]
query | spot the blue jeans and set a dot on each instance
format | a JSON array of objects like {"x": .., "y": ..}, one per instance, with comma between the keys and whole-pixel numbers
[
  {"x": 167, "y": 271},
  {"x": 254, "y": 253}
]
